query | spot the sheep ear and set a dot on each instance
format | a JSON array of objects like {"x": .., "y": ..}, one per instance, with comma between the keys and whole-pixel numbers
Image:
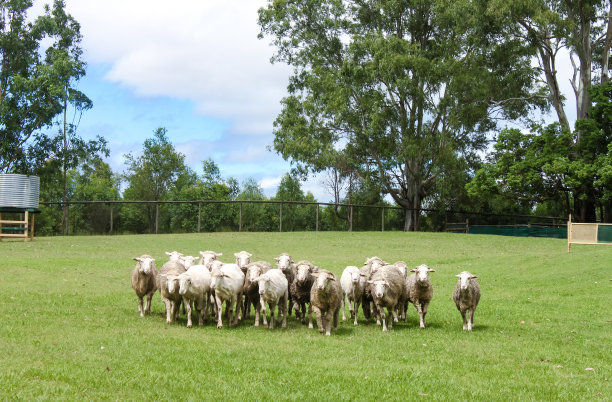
[
  {"x": 331, "y": 277},
  {"x": 431, "y": 270},
  {"x": 218, "y": 254},
  {"x": 370, "y": 282},
  {"x": 413, "y": 270},
  {"x": 225, "y": 275},
  {"x": 315, "y": 274},
  {"x": 137, "y": 259},
  {"x": 458, "y": 276},
  {"x": 201, "y": 253},
  {"x": 167, "y": 253},
  {"x": 473, "y": 277}
]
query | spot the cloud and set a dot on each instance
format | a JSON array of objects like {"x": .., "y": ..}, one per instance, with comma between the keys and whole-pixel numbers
[{"x": 203, "y": 51}]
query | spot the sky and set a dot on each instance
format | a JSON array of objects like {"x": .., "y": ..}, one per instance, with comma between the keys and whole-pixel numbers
[{"x": 194, "y": 67}]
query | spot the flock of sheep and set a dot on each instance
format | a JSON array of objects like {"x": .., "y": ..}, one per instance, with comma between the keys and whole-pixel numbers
[{"x": 300, "y": 286}]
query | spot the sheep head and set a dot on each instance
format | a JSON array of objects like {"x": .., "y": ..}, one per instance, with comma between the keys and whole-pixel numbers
[
  {"x": 145, "y": 264},
  {"x": 187, "y": 260},
  {"x": 422, "y": 274},
  {"x": 184, "y": 283},
  {"x": 379, "y": 288},
  {"x": 174, "y": 256},
  {"x": 208, "y": 257},
  {"x": 243, "y": 259},
  {"x": 322, "y": 279},
  {"x": 464, "y": 279},
  {"x": 303, "y": 272},
  {"x": 284, "y": 261}
]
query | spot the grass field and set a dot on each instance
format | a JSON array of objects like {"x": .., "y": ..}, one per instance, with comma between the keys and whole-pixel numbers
[{"x": 70, "y": 330}]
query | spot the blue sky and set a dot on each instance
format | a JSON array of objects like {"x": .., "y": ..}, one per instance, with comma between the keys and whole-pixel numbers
[{"x": 194, "y": 67}]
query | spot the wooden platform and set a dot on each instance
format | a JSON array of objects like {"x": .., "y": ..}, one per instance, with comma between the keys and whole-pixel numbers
[{"x": 23, "y": 228}]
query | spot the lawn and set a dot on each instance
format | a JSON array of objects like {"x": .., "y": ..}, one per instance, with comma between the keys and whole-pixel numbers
[{"x": 70, "y": 329}]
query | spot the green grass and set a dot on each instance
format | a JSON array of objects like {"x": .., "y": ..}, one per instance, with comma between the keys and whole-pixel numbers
[{"x": 70, "y": 330}]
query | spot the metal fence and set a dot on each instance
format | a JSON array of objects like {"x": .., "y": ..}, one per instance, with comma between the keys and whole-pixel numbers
[{"x": 115, "y": 217}]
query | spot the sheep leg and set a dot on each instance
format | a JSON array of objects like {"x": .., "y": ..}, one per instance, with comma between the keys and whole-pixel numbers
[
  {"x": 140, "y": 308},
  {"x": 257, "y": 309},
  {"x": 471, "y": 321},
  {"x": 147, "y": 307},
  {"x": 419, "y": 309},
  {"x": 343, "y": 307},
  {"x": 238, "y": 313},
  {"x": 188, "y": 304},
  {"x": 272, "y": 308},
  {"x": 317, "y": 312},
  {"x": 382, "y": 317},
  {"x": 463, "y": 311},
  {"x": 262, "y": 306},
  {"x": 234, "y": 306},
  {"x": 290, "y": 303},
  {"x": 298, "y": 311},
  {"x": 310, "y": 326},
  {"x": 327, "y": 323},
  {"x": 424, "y": 308},
  {"x": 168, "y": 311},
  {"x": 219, "y": 312},
  {"x": 355, "y": 309},
  {"x": 283, "y": 306},
  {"x": 336, "y": 314},
  {"x": 394, "y": 312}
]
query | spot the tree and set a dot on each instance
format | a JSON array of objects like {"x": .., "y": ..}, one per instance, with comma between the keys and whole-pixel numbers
[
  {"x": 559, "y": 163},
  {"x": 256, "y": 217},
  {"x": 151, "y": 175},
  {"x": 404, "y": 88},
  {"x": 34, "y": 89}
]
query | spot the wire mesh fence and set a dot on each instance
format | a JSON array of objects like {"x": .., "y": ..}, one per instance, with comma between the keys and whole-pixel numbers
[{"x": 125, "y": 217}]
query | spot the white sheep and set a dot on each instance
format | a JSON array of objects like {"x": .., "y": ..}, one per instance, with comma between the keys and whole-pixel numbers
[
  {"x": 251, "y": 289},
  {"x": 194, "y": 285},
  {"x": 227, "y": 281},
  {"x": 174, "y": 256},
  {"x": 466, "y": 296},
  {"x": 353, "y": 284},
  {"x": 167, "y": 283},
  {"x": 325, "y": 299},
  {"x": 300, "y": 288},
  {"x": 144, "y": 282},
  {"x": 375, "y": 263},
  {"x": 274, "y": 290},
  {"x": 388, "y": 290},
  {"x": 207, "y": 257},
  {"x": 285, "y": 263},
  {"x": 419, "y": 290}
]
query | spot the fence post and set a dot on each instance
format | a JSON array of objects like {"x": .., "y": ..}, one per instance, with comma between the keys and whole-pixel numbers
[
  {"x": 382, "y": 219},
  {"x": 199, "y": 216},
  {"x": 111, "y": 220},
  {"x": 280, "y": 227},
  {"x": 351, "y": 219},
  {"x": 317, "y": 221},
  {"x": 156, "y": 217},
  {"x": 240, "y": 220}
]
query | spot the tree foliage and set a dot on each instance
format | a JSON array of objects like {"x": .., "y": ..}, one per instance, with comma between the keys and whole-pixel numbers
[{"x": 401, "y": 90}]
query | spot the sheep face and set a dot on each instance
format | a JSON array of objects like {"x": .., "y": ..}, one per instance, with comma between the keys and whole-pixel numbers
[
  {"x": 322, "y": 280},
  {"x": 379, "y": 288},
  {"x": 253, "y": 273},
  {"x": 263, "y": 281},
  {"x": 216, "y": 277},
  {"x": 184, "y": 284},
  {"x": 465, "y": 278},
  {"x": 355, "y": 277},
  {"x": 303, "y": 271},
  {"x": 208, "y": 257},
  {"x": 174, "y": 256},
  {"x": 187, "y": 261},
  {"x": 284, "y": 261},
  {"x": 422, "y": 274},
  {"x": 243, "y": 259},
  {"x": 376, "y": 263},
  {"x": 173, "y": 283},
  {"x": 146, "y": 263}
]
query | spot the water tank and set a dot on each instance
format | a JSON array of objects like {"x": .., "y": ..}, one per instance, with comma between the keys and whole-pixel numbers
[{"x": 19, "y": 190}]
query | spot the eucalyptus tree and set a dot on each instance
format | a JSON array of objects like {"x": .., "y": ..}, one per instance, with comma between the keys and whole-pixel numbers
[
  {"x": 561, "y": 163},
  {"x": 402, "y": 88}
]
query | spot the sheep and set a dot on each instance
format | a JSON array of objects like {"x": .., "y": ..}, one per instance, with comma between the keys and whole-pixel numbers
[
  {"x": 187, "y": 260},
  {"x": 353, "y": 285},
  {"x": 403, "y": 267},
  {"x": 388, "y": 289},
  {"x": 375, "y": 263},
  {"x": 300, "y": 290},
  {"x": 144, "y": 282},
  {"x": 466, "y": 296},
  {"x": 228, "y": 282},
  {"x": 325, "y": 298},
  {"x": 285, "y": 263},
  {"x": 274, "y": 290},
  {"x": 208, "y": 257},
  {"x": 194, "y": 285},
  {"x": 243, "y": 259},
  {"x": 251, "y": 289},
  {"x": 367, "y": 303},
  {"x": 419, "y": 290},
  {"x": 174, "y": 255},
  {"x": 167, "y": 283}
]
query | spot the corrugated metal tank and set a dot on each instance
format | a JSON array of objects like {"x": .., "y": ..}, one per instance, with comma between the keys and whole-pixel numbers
[{"x": 19, "y": 190}]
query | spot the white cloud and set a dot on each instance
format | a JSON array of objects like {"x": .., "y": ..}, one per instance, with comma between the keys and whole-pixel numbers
[{"x": 203, "y": 51}]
